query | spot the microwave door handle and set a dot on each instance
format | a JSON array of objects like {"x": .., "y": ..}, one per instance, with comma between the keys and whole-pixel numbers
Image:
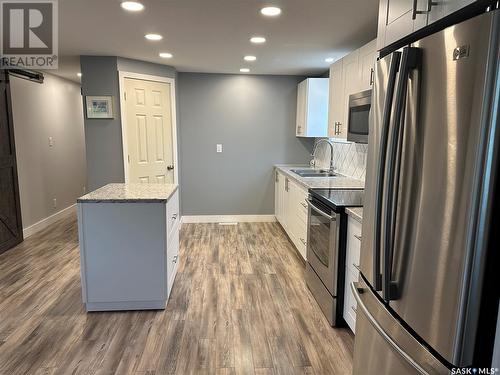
[
  {"x": 319, "y": 211},
  {"x": 393, "y": 70},
  {"x": 408, "y": 62}
]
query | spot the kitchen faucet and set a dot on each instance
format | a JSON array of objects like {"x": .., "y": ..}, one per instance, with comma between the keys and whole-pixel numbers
[{"x": 313, "y": 154}]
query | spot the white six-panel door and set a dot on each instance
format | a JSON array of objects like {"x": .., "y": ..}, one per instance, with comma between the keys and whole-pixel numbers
[{"x": 149, "y": 131}]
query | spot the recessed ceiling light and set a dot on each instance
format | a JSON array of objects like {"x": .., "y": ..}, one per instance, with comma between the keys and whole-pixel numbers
[
  {"x": 258, "y": 39},
  {"x": 249, "y": 58},
  {"x": 271, "y": 11},
  {"x": 245, "y": 70},
  {"x": 79, "y": 74},
  {"x": 153, "y": 37},
  {"x": 329, "y": 59},
  {"x": 133, "y": 6},
  {"x": 166, "y": 55}
]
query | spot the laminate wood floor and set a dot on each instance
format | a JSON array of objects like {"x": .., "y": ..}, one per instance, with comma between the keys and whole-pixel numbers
[{"x": 239, "y": 305}]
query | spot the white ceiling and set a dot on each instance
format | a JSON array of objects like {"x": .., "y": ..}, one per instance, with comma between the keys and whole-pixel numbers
[{"x": 213, "y": 35}]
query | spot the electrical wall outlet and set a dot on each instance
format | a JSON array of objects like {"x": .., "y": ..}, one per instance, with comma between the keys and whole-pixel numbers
[
  {"x": 51, "y": 142},
  {"x": 219, "y": 147},
  {"x": 54, "y": 203}
]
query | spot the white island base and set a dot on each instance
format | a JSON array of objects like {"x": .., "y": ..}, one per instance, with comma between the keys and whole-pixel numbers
[{"x": 129, "y": 246}]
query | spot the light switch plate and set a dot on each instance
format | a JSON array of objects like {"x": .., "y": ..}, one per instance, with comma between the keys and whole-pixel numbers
[
  {"x": 219, "y": 147},
  {"x": 51, "y": 142}
]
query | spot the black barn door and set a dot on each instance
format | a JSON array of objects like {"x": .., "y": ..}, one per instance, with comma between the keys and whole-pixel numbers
[{"x": 11, "y": 232}]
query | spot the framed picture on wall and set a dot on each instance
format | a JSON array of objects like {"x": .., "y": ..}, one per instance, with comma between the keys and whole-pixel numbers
[{"x": 99, "y": 107}]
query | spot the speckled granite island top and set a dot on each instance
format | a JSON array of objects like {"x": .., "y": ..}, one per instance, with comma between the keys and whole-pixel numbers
[
  {"x": 337, "y": 182},
  {"x": 355, "y": 212},
  {"x": 129, "y": 193}
]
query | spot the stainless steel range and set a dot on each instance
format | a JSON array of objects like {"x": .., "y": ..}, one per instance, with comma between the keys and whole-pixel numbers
[{"x": 326, "y": 235}]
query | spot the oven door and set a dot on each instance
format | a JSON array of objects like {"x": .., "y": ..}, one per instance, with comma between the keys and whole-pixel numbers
[{"x": 323, "y": 243}]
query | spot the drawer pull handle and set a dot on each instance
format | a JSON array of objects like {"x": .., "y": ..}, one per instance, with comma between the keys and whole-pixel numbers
[
  {"x": 357, "y": 237},
  {"x": 174, "y": 260},
  {"x": 303, "y": 241},
  {"x": 356, "y": 266},
  {"x": 354, "y": 309},
  {"x": 174, "y": 216}
]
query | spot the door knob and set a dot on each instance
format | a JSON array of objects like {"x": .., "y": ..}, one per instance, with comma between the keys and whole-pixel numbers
[{"x": 170, "y": 167}]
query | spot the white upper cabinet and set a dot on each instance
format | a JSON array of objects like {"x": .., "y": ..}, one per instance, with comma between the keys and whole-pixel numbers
[
  {"x": 399, "y": 18},
  {"x": 350, "y": 67},
  {"x": 350, "y": 75},
  {"x": 442, "y": 8},
  {"x": 336, "y": 97},
  {"x": 367, "y": 59},
  {"x": 312, "y": 108}
]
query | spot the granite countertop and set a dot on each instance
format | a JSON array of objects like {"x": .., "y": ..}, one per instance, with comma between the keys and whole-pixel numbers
[
  {"x": 355, "y": 212},
  {"x": 129, "y": 193},
  {"x": 337, "y": 182}
]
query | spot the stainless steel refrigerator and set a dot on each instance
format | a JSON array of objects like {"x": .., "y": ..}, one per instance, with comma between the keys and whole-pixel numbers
[{"x": 432, "y": 149}]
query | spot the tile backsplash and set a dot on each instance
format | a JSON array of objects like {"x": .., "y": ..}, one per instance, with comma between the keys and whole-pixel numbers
[{"x": 348, "y": 158}]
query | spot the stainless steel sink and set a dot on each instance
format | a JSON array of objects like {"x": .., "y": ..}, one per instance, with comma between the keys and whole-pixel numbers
[{"x": 313, "y": 173}]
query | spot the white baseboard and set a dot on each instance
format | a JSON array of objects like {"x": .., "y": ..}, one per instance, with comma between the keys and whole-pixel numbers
[
  {"x": 44, "y": 223},
  {"x": 229, "y": 219}
]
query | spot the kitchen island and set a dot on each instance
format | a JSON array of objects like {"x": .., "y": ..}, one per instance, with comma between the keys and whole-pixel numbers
[{"x": 129, "y": 246}]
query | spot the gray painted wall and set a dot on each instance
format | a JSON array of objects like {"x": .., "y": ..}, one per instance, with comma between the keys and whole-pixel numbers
[
  {"x": 52, "y": 109},
  {"x": 254, "y": 118},
  {"x": 104, "y": 137}
]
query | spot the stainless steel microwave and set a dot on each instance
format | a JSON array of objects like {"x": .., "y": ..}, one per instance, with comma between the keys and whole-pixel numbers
[{"x": 359, "y": 110}]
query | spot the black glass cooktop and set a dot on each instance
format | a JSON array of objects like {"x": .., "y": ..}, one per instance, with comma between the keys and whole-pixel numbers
[{"x": 337, "y": 199}]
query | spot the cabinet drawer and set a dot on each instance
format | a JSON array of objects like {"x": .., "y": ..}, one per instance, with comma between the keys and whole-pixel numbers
[
  {"x": 172, "y": 257},
  {"x": 173, "y": 216},
  {"x": 350, "y": 305},
  {"x": 302, "y": 208},
  {"x": 297, "y": 231},
  {"x": 353, "y": 245}
]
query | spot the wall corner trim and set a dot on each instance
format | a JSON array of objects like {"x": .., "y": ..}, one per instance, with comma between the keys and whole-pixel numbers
[
  {"x": 44, "y": 223},
  {"x": 228, "y": 219}
]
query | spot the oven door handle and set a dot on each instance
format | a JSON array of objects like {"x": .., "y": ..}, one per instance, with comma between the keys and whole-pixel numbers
[{"x": 313, "y": 207}]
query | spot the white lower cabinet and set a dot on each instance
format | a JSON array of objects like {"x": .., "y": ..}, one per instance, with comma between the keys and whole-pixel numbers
[
  {"x": 279, "y": 196},
  {"x": 353, "y": 247},
  {"x": 291, "y": 210},
  {"x": 129, "y": 252}
]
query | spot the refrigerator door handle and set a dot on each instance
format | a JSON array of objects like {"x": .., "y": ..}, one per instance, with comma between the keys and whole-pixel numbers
[
  {"x": 373, "y": 321},
  {"x": 409, "y": 61},
  {"x": 393, "y": 70}
]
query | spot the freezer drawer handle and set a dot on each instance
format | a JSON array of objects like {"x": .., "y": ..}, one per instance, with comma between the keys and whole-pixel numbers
[{"x": 356, "y": 292}]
